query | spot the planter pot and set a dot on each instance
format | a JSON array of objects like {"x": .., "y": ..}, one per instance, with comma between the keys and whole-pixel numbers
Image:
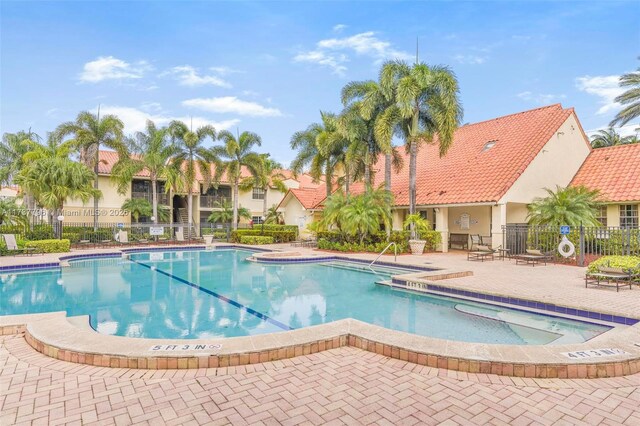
[{"x": 417, "y": 246}]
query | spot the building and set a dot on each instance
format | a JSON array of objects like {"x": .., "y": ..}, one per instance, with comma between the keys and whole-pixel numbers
[
  {"x": 615, "y": 172},
  {"x": 206, "y": 199}
]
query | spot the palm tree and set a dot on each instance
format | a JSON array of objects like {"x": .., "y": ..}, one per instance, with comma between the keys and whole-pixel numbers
[
  {"x": 610, "y": 137},
  {"x": 12, "y": 150},
  {"x": 190, "y": 155},
  {"x": 90, "y": 132},
  {"x": 630, "y": 99},
  {"x": 224, "y": 214},
  {"x": 364, "y": 213},
  {"x": 152, "y": 151},
  {"x": 137, "y": 207},
  {"x": 236, "y": 154},
  {"x": 54, "y": 178},
  {"x": 274, "y": 216},
  {"x": 426, "y": 106},
  {"x": 573, "y": 206},
  {"x": 11, "y": 213},
  {"x": 368, "y": 100},
  {"x": 316, "y": 148},
  {"x": 269, "y": 176}
]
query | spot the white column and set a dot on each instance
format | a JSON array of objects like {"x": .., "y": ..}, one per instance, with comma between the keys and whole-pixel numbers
[
  {"x": 498, "y": 220},
  {"x": 442, "y": 226}
]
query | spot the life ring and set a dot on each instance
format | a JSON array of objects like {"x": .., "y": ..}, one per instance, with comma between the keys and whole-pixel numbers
[{"x": 566, "y": 248}]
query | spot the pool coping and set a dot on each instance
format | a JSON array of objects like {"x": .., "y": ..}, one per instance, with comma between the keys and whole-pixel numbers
[{"x": 54, "y": 335}]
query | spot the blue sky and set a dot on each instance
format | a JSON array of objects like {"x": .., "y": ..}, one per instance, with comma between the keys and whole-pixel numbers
[{"x": 270, "y": 67}]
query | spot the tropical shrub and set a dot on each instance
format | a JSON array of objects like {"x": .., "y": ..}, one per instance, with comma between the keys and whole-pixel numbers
[
  {"x": 50, "y": 246},
  {"x": 39, "y": 232},
  {"x": 333, "y": 240},
  {"x": 573, "y": 206},
  {"x": 256, "y": 239},
  {"x": 74, "y": 237},
  {"x": 278, "y": 236},
  {"x": 626, "y": 262}
]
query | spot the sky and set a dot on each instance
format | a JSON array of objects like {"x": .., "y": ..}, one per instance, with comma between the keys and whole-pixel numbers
[{"x": 271, "y": 67}]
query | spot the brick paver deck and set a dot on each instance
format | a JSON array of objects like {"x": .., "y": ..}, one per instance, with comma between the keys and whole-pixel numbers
[{"x": 342, "y": 386}]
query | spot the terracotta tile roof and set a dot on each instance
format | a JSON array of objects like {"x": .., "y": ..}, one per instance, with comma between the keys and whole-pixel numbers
[
  {"x": 107, "y": 159},
  {"x": 309, "y": 197},
  {"x": 469, "y": 173},
  {"x": 614, "y": 171}
]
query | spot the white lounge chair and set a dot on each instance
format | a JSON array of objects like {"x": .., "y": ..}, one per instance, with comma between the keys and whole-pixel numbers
[{"x": 12, "y": 245}]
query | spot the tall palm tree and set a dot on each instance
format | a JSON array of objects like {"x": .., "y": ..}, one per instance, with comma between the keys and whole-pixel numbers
[
  {"x": 610, "y": 137},
  {"x": 630, "y": 99},
  {"x": 426, "y": 107},
  {"x": 137, "y": 207},
  {"x": 190, "y": 155},
  {"x": 269, "y": 176},
  {"x": 573, "y": 206},
  {"x": 313, "y": 145},
  {"x": 53, "y": 178},
  {"x": 368, "y": 100},
  {"x": 235, "y": 154},
  {"x": 152, "y": 151},
  {"x": 12, "y": 150},
  {"x": 224, "y": 213},
  {"x": 90, "y": 132}
]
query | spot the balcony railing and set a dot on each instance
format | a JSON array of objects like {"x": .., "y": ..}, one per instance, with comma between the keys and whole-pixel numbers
[
  {"x": 213, "y": 201},
  {"x": 162, "y": 197}
]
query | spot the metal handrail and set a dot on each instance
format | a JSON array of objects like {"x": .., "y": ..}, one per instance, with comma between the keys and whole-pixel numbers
[{"x": 395, "y": 253}]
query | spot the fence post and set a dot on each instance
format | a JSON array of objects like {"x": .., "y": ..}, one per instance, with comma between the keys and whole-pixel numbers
[{"x": 582, "y": 248}]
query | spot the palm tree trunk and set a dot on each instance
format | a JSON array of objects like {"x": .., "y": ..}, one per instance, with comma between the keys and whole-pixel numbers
[
  {"x": 327, "y": 178},
  {"x": 95, "y": 185},
  {"x": 235, "y": 204},
  {"x": 347, "y": 179},
  {"x": 387, "y": 172},
  {"x": 413, "y": 157},
  {"x": 264, "y": 202},
  {"x": 367, "y": 170},
  {"x": 189, "y": 211},
  {"x": 154, "y": 198}
]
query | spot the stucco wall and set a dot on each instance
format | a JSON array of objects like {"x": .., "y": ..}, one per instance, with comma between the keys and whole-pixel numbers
[
  {"x": 110, "y": 205},
  {"x": 516, "y": 213},
  {"x": 556, "y": 164},
  {"x": 294, "y": 214},
  {"x": 246, "y": 200}
]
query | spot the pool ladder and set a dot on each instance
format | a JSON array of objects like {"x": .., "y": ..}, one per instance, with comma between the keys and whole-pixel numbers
[{"x": 395, "y": 254}]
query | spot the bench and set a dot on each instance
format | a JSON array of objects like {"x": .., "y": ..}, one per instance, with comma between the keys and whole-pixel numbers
[{"x": 459, "y": 241}]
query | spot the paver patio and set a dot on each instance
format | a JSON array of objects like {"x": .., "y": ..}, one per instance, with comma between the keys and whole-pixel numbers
[{"x": 343, "y": 386}]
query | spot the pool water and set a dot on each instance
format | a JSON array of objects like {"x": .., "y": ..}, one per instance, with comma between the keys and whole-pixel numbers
[{"x": 203, "y": 294}]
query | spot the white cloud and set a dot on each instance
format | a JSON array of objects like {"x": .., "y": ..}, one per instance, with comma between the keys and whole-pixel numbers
[
  {"x": 135, "y": 119},
  {"x": 540, "y": 98},
  {"x": 110, "y": 68},
  {"x": 53, "y": 112},
  {"x": 329, "y": 52},
  {"x": 231, "y": 104},
  {"x": 470, "y": 59},
  {"x": 605, "y": 87},
  {"x": 628, "y": 130},
  {"x": 188, "y": 76},
  {"x": 339, "y": 27},
  {"x": 223, "y": 70}
]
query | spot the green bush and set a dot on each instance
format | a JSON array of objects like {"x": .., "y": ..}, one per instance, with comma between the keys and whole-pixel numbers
[
  {"x": 3, "y": 246},
  {"x": 626, "y": 262},
  {"x": 357, "y": 247},
  {"x": 255, "y": 239},
  {"x": 333, "y": 240},
  {"x": 74, "y": 237},
  {"x": 278, "y": 236},
  {"x": 39, "y": 232},
  {"x": 50, "y": 246}
]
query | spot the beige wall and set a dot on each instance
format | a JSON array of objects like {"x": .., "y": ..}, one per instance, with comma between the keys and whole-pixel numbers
[
  {"x": 556, "y": 164},
  {"x": 479, "y": 220},
  {"x": 516, "y": 213},
  {"x": 256, "y": 206},
  {"x": 110, "y": 205},
  {"x": 295, "y": 214}
]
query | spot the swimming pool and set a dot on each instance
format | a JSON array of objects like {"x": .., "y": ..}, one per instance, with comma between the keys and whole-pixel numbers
[{"x": 205, "y": 294}]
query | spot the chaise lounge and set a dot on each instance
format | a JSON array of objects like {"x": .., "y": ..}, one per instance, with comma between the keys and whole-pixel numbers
[
  {"x": 608, "y": 276},
  {"x": 532, "y": 257},
  {"x": 482, "y": 253}
]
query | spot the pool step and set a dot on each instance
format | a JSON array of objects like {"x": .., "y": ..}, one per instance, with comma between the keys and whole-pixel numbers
[{"x": 80, "y": 321}]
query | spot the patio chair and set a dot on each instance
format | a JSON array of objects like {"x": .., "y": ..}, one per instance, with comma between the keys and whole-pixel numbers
[
  {"x": 608, "y": 276},
  {"x": 180, "y": 236},
  {"x": 123, "y": 237},
  {"x": 532, "y": 257},
  {"x": 482, "y": 253},
  {"x": 12, "y": 246},
  {"x": 476, "y": 240}
]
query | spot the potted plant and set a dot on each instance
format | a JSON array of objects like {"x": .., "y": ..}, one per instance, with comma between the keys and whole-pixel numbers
[{"x": 418, "y": 226}]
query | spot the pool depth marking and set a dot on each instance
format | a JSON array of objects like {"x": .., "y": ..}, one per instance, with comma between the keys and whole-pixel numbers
[{"x": 219, "y": 296}]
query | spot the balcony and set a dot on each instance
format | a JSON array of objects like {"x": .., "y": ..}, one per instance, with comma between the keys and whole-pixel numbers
[
  {"x": 213, "y": 201},
  {"x": 163, "y": 198}
]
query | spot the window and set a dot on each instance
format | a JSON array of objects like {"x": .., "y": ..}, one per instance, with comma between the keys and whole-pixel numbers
[
  {"x": 629, "y": 216},
  {"x": 601, "y": 215},
  {"x": 257, "y": 220},
  {"x": 258, "y": 194},
  {"x": 487, "y": 146}
]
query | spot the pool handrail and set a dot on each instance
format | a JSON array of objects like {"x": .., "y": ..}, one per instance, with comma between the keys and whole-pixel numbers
[{"x": 395, "y": 253}]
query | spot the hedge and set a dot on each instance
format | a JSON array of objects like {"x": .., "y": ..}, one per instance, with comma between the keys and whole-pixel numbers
[
  {"x": 626, "y": 262},
  {"x": 278, "y": 236},
  {"x": 357, "y": 247},
  {"x": 255, "y": 239},
  {"x": 50, "y": 246}
]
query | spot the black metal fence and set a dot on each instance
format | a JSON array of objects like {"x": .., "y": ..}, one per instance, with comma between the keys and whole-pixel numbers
[{"x": 590, "y": 242}]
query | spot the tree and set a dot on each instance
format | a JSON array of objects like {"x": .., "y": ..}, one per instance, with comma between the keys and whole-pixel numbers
[
  {"x": 54, "y": 178},
  {"x": 137, "y": 207},
  {"x": 235, "y": 154},
  {"x": 269, "y": 176},
  {"x": 11, "y": 213},
  {"x": 368, "y": 100},
  {"x": 12, "y": 150},
  {"x": 426, "y": 108},
  {"x": 629, "y": 99},
  {"x": 90, "y": 132},
  {"x": 152, "y": 151},
  {"x": 317, "y": 149},
  {"x": 611, "y": 137},
  {"x": 573, "y": 206},
  {"x": 190, "y": 155},
  {"x": 225, "y": 213},
  {"x": 274, "y": 216}
]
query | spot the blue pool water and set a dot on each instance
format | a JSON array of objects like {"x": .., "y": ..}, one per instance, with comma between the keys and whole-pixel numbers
[{"x": 201, "y": 294}]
